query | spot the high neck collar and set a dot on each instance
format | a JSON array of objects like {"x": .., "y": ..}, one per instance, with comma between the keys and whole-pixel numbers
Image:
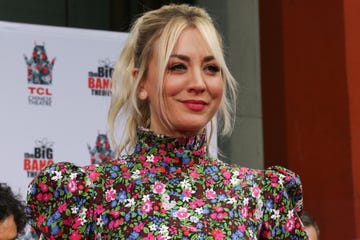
[{"x": 171, "y": 150}]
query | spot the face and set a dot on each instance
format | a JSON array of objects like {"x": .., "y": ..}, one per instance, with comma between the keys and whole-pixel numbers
[
  {"x": 192, "y": 87},
  {"x": 311, "y": 232},
  {"x": 8, "y": 229}
]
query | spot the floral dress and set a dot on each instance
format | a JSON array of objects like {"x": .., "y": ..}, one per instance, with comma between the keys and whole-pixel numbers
[{"x": 167, "y": 189}]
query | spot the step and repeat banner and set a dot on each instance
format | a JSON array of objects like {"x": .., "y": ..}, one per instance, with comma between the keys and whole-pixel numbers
[{"x": 54, "y": 97}]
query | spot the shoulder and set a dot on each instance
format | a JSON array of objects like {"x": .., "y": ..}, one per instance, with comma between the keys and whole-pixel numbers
[
  {"x": 58, "y": 193},
  {"x": 283, "y": 184},
  {"x": 283, "y": 203}
]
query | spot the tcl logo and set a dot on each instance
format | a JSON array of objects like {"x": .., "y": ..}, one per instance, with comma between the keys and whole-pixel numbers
[{"x": 39, "y": 91}]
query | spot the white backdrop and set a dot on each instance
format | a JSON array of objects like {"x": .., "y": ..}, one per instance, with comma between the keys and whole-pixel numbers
[{"x": 41, "y": 123}]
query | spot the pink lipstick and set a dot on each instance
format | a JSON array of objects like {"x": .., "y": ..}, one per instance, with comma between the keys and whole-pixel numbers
[{"x": 195, "y": 105}]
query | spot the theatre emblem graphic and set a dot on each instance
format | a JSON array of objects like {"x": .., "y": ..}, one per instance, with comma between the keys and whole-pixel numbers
[
  {"x": 39, "y": 76},
  {"x": 39, "y": 68},
  {"x": 101, "y": 152}
]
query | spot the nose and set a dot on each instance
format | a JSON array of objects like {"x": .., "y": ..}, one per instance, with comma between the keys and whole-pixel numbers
[{"x": 197, "y": 82}]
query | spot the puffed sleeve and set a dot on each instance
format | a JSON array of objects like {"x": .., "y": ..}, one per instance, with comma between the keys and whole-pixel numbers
[
  {"x": 282, "y": 193},
  {"x": 59, "y": 203}
]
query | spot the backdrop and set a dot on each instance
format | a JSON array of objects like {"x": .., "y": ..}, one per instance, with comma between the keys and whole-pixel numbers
[{"x": 54, "y": 97}]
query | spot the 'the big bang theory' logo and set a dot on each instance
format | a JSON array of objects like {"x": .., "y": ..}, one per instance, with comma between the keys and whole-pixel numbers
[
  {"x": 39, "y": 158},
  {"x": 39, "y": 72},
  {"x": 102, "y": 151},
  {"x": 100, "y": 82}
]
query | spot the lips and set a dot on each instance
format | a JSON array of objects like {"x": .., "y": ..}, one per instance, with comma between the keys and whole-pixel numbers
[{"x": 195, "y": 105}]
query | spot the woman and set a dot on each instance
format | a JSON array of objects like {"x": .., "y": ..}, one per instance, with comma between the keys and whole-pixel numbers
[{"x": 171, "y": 80}]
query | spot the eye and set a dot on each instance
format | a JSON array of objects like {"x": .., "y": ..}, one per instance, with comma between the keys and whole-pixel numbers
[
  {"x": 212, "y": 69},
  {"x": 177, "y": 67}
]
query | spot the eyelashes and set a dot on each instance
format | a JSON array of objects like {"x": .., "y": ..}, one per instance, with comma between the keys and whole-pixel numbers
[{"x": 180, "y": 68}]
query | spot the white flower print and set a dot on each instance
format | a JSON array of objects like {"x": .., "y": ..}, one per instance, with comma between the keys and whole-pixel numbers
[
  {"x": 231, "y": 200},
  {"x": 130, "y": 202},
  {"x": 153, "y": 227},
  {"x": 150, "y": 158},
  {"x": 74, "y": 209},
  {"x": 99, "y": 222},
  {"x": 246, "y": 201},
  {"x": 57, "y": 176},
  {"x": 73, "y": 176},
  {"x": 276, "y": 214},
  {"x": 290, "y": 213},
  {"x": 185, "y": 184},
  {"x": 146, "y": 197},
  {"x": 136, "y": 174},
  {"x": 199, "y": 210},
  {"x": 194, "y": 219}
]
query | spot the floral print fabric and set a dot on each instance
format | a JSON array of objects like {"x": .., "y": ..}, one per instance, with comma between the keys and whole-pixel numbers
[{"x": 167, "y": 189}]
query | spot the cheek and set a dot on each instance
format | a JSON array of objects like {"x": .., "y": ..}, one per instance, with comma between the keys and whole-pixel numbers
[
  {"x": 173, "y": 86},
  {"x": 216, "y": 88}
]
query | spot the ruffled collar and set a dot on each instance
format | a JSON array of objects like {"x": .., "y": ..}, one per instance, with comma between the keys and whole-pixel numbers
[{"x": 164, "y": 150}]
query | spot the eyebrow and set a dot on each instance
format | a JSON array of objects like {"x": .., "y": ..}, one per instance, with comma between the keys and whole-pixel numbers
[{"x": 187, "y": 59}]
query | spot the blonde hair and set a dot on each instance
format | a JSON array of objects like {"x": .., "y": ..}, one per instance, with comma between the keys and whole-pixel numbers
[{"x": 165, "y": 25}]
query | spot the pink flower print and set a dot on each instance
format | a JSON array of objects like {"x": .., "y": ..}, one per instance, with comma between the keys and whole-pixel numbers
[
  {"x": 126, "y": 175},
  {"x": 255, "y": 191},
  {"x": 146, "y": 207},
  {"x": 199, "y": 202},
  {"x": 242, "y": 228},
  {"x": 139, "y": 227},
  {"x": 167, "y": 159},
  {"x": 217, "y": 234},
  {"x": 114, "y": 213},
  {"x": 159, "y": 187},
  {"x": 209, "y": 182},
  {"x": 213, "y": 215},
  {"x": 99, "y": 209},
  {"x": 290, "y": 224},
  {"x": 150, "y": 236},
  {"x": 114, "y": 224},
  {"x": 41, "y": 219},
  {"x": 194, "y": 174},
  {"x": 210, "y": 194},
  {"x": 187, "y": 192},
  {"x": 77, "y": 223},
  {"x": 110, "y": 195},
  {"x": 226, "y": 182},
  {"x": 244, "y": 211},
  {"x": 182, "y": 213},
  {"x": 192, "y": 205},
  {"x": 72, "y": 186},
  {"x": 156, "y": 159},
  {"x": 218, "y": 208},
  {"x": 43, "y": 187},
  {"x": 75, "y": 235},
  {"x": 274, "y": 181},
  {"x": 94, "y": 175},
  {"x": 221, "y": 216},
  {"x": 109, "y": 183},
  {"x": 46, "y": 197},
  {"x": 227, "y": 175},
  {"x": 91, "y": 167},
  {"x": 161, "y": 237},
  {"x": 62, "y": 207},
  {"x": 173, "y": 230}
]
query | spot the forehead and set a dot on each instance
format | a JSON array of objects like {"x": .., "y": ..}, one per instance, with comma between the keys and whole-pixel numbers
[{"x": 8, "y": 228}]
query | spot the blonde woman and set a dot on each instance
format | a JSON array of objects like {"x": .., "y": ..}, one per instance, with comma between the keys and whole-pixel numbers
[{"x": 171, "y": 80}]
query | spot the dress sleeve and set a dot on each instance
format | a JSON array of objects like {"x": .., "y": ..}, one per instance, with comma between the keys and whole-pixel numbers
[
  {"x": 282, "y": 193},
  {"x": 59, "y": 203}
]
